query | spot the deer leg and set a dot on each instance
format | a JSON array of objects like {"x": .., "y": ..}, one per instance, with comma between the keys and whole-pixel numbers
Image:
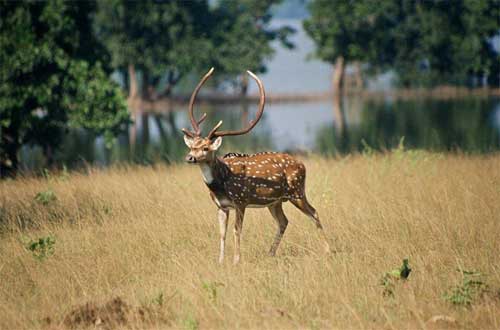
[
  {"x": 280, "y": 218},
  {"x": 238, "y": 226},
  {"x": 303, "y": 205},
  {"x": 223, "y": 216}
]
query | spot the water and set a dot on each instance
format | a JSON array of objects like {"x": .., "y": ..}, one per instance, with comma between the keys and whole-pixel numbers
[{"x": 470, "y": 125}]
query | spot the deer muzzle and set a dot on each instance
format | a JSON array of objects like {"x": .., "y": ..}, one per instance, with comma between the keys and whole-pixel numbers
[{"x": 190, "y": 159}]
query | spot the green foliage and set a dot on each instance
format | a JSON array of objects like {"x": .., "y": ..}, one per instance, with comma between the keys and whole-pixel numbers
[
  {"x": 51, "y": 77},
  {"x": 211, "y": 289},
  {"x": 445, "y": 42},
  {"x": 165, "y": 40},
  {"x": 242, "y": 36},
  {"x": 471, "y": 287},
  {"x": 367, "y": 149},
  {"x": 343, "y": 28},
  {"x": 42, "y": 247},
  {"x": 389, "y": 279},
  {"x": 159, "y": 299},
  {"x": 63, "y": 175},
  {"x": 400, "y": 150},
  {"x": 45, "y": 197},
  {"x": 425, "y": 42},
  {"x": 190, "y": 323}
]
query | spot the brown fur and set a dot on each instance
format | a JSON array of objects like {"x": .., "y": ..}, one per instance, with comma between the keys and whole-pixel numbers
[
  {"x": 237, "y": 181},
  {"x": 264, "y": 178}
]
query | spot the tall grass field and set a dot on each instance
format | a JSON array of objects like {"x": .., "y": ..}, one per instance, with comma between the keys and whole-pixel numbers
[{"x": 137, "y": 247}]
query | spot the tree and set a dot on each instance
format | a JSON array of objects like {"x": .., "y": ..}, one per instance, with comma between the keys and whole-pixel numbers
[
  {"x": 52, "y": 78},
  {"x": 342, "y": 31},
  {"x": 424, "y": 42},
  {"x": 242, "y": 36},
  {"x": 446, "y": 42},
  {"x": 164, "y": 40}
]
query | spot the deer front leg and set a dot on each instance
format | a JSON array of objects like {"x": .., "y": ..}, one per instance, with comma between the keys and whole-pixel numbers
[
  {"x": 223, "y": 216},
  {"x": 238, "y": 226}
]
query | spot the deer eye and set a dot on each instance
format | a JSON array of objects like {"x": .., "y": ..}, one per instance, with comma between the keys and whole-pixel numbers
[{"x": 206, "y": 149}]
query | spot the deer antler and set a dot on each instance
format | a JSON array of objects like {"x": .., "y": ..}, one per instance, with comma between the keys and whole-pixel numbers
[
  {"x": 213, "y": 133},
  {"x": 194, "y": 123}
]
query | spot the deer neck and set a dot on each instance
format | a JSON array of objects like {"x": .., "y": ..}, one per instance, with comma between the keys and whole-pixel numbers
[{"x": 213, "y": 171}]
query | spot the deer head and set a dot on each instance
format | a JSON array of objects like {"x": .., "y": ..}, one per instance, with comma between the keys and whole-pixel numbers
[{"x": 203, "y": 149}]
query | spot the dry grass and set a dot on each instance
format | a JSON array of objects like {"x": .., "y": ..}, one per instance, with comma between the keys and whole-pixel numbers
[{"x": 150, "y": 237}]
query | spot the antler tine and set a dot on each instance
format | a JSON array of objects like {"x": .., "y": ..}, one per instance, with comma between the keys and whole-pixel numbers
[
  {"x": 260, "y": 111},
  {"x": 193, "y": 134},
  {"x": 203, "y": 117},
  {"x": 219, "y": 124},
  {"x": 195, "y": 123},
  {"x": 187, "y": 132}
]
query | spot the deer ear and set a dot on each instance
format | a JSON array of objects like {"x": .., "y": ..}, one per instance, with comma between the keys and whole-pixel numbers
[
  {"x": 188, "y": 140},
  {"x": 216, "y": 144}
]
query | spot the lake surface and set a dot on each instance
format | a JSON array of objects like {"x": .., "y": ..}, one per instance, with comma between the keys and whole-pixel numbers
[{"x": 470, "y": 125}]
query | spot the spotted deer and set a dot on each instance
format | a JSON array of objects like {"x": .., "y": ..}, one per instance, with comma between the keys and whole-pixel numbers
[{"x": 237, "y": 181}]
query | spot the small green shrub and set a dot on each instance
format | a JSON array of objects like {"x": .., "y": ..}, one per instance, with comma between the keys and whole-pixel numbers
[
  {"x": 190, "y": 323},
  {"x": 468, "y": 290},
  {"x": 62, "y": 175},
  {"x": 211, "y": 289},
  {"x": 159, "y": 299},
  {"x": 45, "y": 197},
  {"x": 42, "y": 247},
  {"x": 389, "y": 279},
  {"x": 367, "y": 150},
  {"x": 399, "y": 151}
]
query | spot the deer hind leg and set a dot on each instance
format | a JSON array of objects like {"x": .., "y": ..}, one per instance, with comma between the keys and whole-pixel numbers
[
  {"x": 278, "y": 215},
  {"x": 303, "y": 205},
  {"x": 238, "y": 226},
  {"x": 222, "y": 215}
]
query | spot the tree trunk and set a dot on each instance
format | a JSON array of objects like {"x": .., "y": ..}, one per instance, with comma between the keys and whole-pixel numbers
[
  {"x": 338, "y": 76},
  {"x": 340, "y": 123},
  {"x": 132, "y": 131},
  {"x": 338, "y": 113},
  {"x": 132, "y": 81},
  {"x": 49, "y": 156},
  {"x": 358, "y": 76}
]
